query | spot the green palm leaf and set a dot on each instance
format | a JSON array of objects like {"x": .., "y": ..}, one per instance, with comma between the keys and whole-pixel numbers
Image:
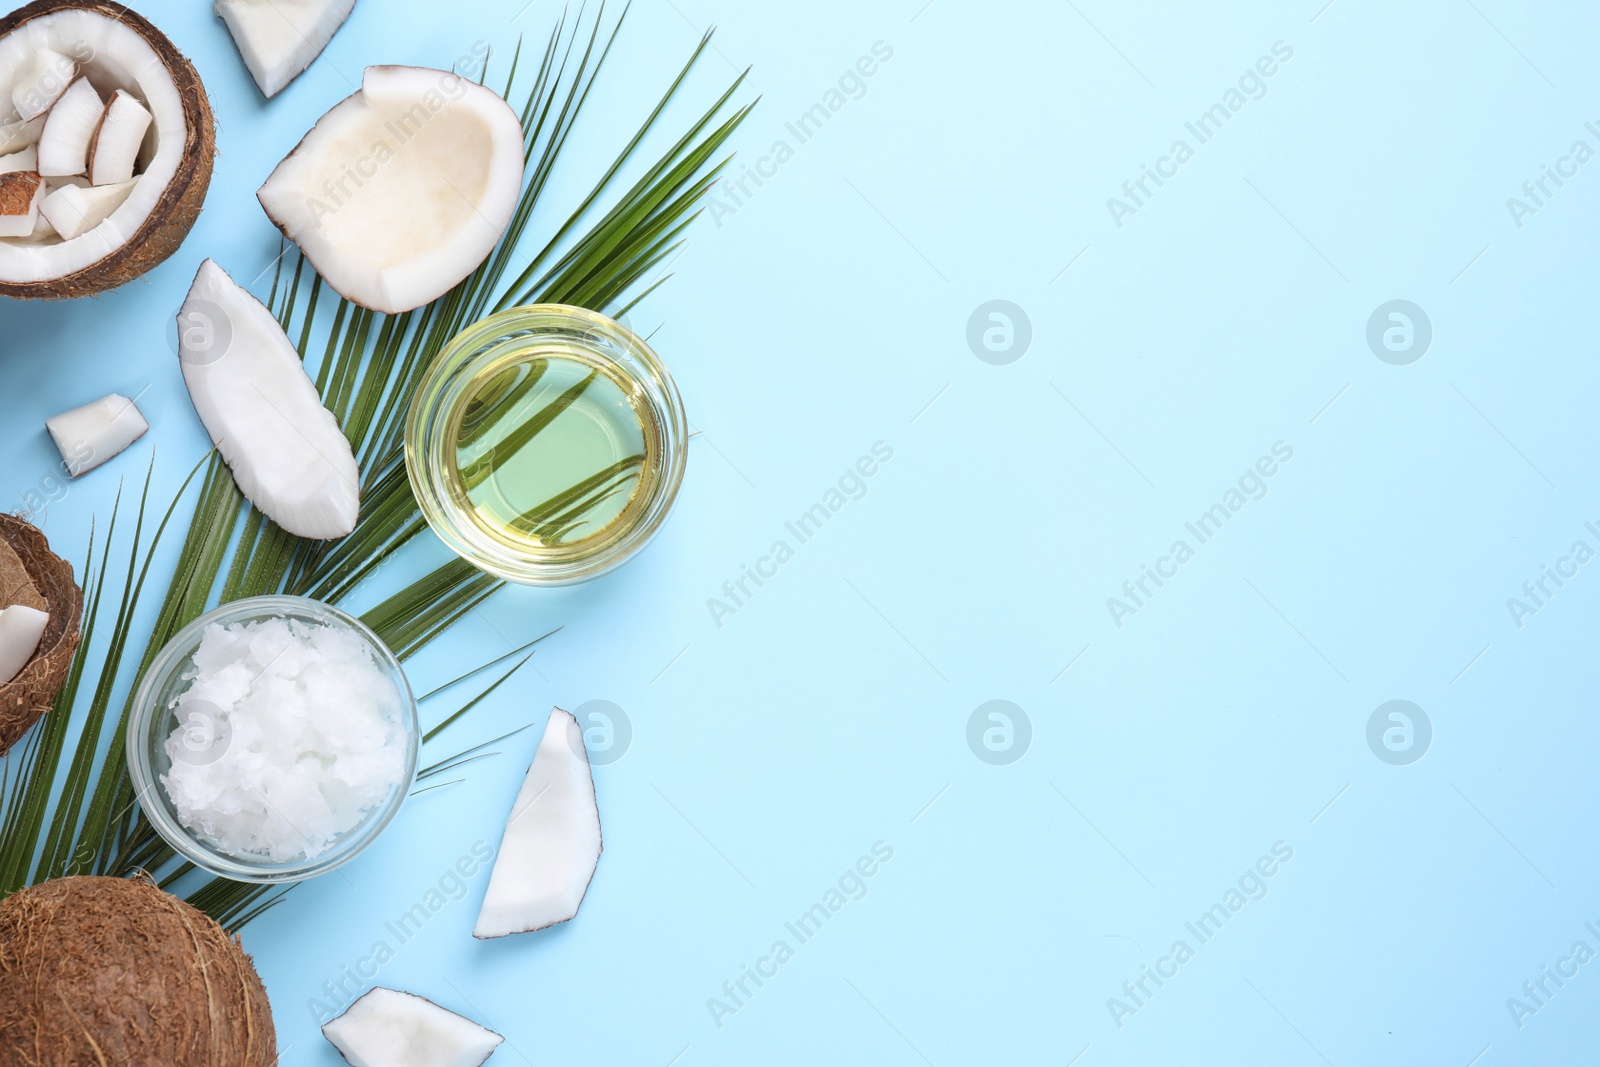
[{"x": 67, "y": 805}]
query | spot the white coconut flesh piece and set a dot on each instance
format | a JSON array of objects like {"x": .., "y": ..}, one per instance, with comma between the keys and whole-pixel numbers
[
  {"x": 41, "y": 81},
  {"x": 15, "y": 134},
  {"x": 23, "y": 159},
  {"x": 74, "y": 210},
  {"x": 69, "y": 129},
  {"x": 278, "y": 39},
  {"x": 21, "y": 193},
  {"x": 20, "y": 630},
  {"x": 251, "y": 391},
  {"x": 403, "y": 189},
  {"x": 388, "y": 1028},
  {"x": 552, "y": 841},
  {"x": 119, "y": 59},
  {"x": 87, "y": 436},
  {"x": 117, "y": 140}
]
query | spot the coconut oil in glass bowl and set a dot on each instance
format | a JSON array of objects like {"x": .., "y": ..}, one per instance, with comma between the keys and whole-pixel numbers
[{"x": 546, "y": 444}]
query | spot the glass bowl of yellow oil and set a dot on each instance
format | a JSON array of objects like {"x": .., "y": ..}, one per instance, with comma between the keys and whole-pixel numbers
[{"x": 546, "y": 444}]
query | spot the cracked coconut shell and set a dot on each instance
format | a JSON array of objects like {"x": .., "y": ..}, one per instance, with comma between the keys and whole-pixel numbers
[
  {"x": 163, "y": 229},
  {"x": 97, "y": 970},
  {"x": 46, "y": 578}
]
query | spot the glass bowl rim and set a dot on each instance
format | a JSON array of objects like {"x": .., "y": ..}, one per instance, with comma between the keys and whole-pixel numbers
[
  {"x": 440, "y": 389},
  {"x": 145, "y": 713}
]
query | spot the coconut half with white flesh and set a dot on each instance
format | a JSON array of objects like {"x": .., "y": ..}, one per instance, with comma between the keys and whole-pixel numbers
[
  {"x": 86, "y": 52},
  {"x": 389, "y": 1028},
  {"x": 33, "y": 577},
  {"x": 279, "y": 39},
  {"x": 403, "y": 189},
  {"x": 20, "y": 630},
  {"x": 250, "y": 388},
  {"x": 552, "y": 843},
  {"x": 87, "y": 436}
]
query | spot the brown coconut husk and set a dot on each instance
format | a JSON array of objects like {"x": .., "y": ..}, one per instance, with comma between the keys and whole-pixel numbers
[
  {"x": 25, "y": 699},
  {"x": 97, "y": 970},
  {"x": 175, "y": 213}
]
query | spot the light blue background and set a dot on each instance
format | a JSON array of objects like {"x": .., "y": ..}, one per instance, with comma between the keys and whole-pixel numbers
[{"x": 829, "y": 312}]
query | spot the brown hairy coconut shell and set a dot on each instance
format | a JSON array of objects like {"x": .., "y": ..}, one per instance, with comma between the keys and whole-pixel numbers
[
  {"x": 26, "y": 698},
  {"x": 169, "y": 222},
  {"x": 113, "y": 971}
]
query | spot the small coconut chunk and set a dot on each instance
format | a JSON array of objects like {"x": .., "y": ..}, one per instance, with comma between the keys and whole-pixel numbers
[
  {"x": 88, "y": 436},
  {"x": 20, "y": 630},
  {"x": 403, "y": 189},
  {"x": 15, "y": 134},
  {"x": 250, "y": 389},
  {"x": 74, "y": 210},
  {"x": 64, "y": 144},
  {"x": 278, "y": 39},
  {"x": 389, "y": 1028},
  {"x": 115, "y": 148},
  {"x": 24, "y": 159},
  {"x": 41, "y": 82},
  {"x": 552, "y": 841},
  {"x": 21, "y": 194}
]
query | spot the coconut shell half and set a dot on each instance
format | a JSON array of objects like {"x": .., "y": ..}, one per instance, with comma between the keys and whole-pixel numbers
[
  {"x": 25, "y": 699},
  {"x": 103, "y": 971},
  {"x": 168, "y": 222}
]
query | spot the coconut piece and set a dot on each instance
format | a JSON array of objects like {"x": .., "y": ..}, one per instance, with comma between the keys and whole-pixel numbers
[
  {"x": 87, "y": 436},
  {"x": 21, "y": 196},
  {"x": 15, "y": 134},
  {"x": 403, "y": 189},
  {"x": 29, "y": 695},
  {"x": 115, "y": 148},
  {"x": 74, "y": 210},
  {"x": 115, "y": 971},
  {"x": 390, "y": 1028},
  {"x": 16, "y": 586},
  {"x": 20, "y": 630},
  {"x": 251, "y": 391},
  {"x": 119, "y": 49},
  {"x": 552, "y": 840},
  {"x": 278, "y": 39},
  {"x": 22, "y": 159},
  {"x": 64, "y": 144},
  {"x": 41, "y": 81}
]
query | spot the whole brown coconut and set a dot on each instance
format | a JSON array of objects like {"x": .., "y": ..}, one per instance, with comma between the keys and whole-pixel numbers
[
  {"x": 114, "y": 971},
  {"x": 174, "y": 214},
  {"x": 26, "y": 698}
]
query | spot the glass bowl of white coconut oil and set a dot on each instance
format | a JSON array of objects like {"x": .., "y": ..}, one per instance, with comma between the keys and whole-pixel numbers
[{"x": 273, "y": 739}]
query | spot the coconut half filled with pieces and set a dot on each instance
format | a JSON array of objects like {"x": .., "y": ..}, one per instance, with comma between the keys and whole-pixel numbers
[{"x": 106, "y": 147}]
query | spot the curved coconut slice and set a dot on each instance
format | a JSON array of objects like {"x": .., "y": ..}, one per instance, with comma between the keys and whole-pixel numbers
[
  {"x": 278, "y": 39},
  {"x": 403, "y": 189},
  {"x": 389, "y": 1028},
  {"x": 68, "y": 130},
  {"x": 20, "y": 630},
  {"x": 552, "y": 840},
  {"x": 89, "y": 435},
  {"x": 22, "y": 159},
  {"x": 116, "y": 49},
  {"x": 21, "y": 194},
  {"x": 118, "y": 139},
  {"x": 41, "y": 80},
  {"x": 251, "y": 391},
  {"x": 15, "y": 134},
  {"x": 40, "y": 579}
]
